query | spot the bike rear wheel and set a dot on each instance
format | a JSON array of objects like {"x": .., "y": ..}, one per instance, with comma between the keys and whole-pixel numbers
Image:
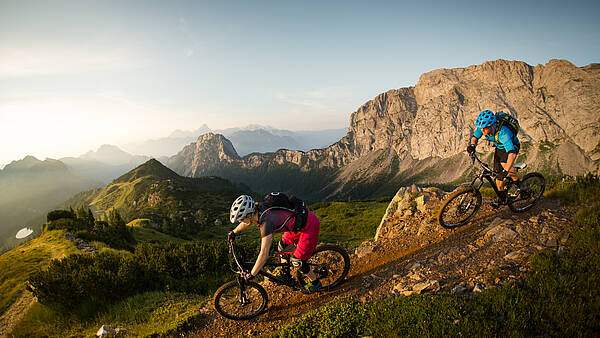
[
  {"x": 524, "y": 195},
  {"x": 331, "y": 263},
  {"x": 234, "y": 303},
  {"x": 460, "y": 206}
]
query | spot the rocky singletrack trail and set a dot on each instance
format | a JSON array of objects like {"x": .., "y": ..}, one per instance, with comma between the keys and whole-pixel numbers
[{"x": 414, "y": 254}]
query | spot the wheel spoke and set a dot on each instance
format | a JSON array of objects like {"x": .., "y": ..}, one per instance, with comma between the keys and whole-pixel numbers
[
  {"x": 331, "y": 264},
  {"x": 459, "y": 207},
  {"x": 232, "y": 303},
  {"x": 527, "y": 193}
]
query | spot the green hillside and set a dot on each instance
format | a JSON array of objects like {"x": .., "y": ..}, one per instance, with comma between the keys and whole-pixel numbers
[
  {"x": 142, "y": 233},
  {"x": 18, "y": 264},
  {"x": 349, "y": 223},
  {"x": 171, "y": 203}
]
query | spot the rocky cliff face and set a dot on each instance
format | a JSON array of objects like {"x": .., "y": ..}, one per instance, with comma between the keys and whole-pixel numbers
[
  {"x": 557, "y": 103},
  {"x": 419, "y": 134},
  {"x": 208, "y": 154}
]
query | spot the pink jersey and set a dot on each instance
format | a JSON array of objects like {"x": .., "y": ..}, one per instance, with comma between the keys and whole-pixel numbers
[{"x": 306, "y": 239}]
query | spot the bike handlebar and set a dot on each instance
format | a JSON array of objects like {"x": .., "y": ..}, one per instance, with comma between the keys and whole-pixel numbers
[
  {"x": 235, "y": 258},
  {"x": 474, "y": 157}
]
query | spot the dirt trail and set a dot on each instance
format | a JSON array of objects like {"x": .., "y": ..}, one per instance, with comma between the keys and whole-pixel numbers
[
  {"x": 15, "y": 313},
  {"x": 19, "y": 308},
  {"x": 421, "y": 257}
]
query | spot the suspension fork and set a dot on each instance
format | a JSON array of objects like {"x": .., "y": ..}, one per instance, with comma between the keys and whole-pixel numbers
[
  {"x": 242, "y": 296},
  {"x": 480, "y": 178}
]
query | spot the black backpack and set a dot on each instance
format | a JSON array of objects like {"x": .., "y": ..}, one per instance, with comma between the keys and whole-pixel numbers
[
  {"x": 279, "y": 200},
  {"x": 509, "y": 121}
]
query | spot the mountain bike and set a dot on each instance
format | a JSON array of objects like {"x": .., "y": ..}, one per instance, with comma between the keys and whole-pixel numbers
[
  {"x": 464, "y": 202},
  {"x": 242, "y": 299}
]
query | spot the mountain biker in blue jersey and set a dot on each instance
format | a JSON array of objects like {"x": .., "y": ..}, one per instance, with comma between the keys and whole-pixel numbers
[{"x": 507, "y": 148}]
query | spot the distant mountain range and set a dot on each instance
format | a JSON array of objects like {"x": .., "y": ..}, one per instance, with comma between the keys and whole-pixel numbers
[
  {"x": 29, "y": 188},
  {"x": 104, "y": 164},
  {"x": 249, "y": 139}
]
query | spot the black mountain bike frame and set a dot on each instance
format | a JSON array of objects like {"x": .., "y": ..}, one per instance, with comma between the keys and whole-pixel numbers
[
  {"x": 240, "y": 267},
  {"x": 486, "y": 173}
]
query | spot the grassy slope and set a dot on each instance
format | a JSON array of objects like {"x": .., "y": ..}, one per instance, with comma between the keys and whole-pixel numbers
[
  {"x": 146, "y": 314},
  {"x": 18, "y": 264},
  {"x": 349, "y": 223},
  {"x": 144, "y": 234}
]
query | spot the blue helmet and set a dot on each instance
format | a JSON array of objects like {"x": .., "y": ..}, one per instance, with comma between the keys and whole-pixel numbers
[{"x": 485, "y": 119}]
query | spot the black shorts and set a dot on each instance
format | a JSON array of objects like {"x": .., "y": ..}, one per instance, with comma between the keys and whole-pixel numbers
[{"x": 501, "y": 156}]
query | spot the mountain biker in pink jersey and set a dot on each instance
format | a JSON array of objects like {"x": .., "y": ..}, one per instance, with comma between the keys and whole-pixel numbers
[{"x": 301, "y": 244}]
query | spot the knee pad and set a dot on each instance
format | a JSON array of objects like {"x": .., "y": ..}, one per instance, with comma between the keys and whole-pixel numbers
[
  {"x": 281, "y": 245},
  {"x": 300, "y": 265}
]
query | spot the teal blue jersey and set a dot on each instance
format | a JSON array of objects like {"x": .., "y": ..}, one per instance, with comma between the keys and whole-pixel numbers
[{"x": 507, "y": 141}]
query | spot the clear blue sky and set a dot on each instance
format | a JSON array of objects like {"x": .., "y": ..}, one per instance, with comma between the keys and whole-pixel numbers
[{"x": 77, "y": 74}]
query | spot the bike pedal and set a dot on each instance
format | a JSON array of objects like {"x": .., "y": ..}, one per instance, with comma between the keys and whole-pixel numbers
[{"x": 497, "y": 205}]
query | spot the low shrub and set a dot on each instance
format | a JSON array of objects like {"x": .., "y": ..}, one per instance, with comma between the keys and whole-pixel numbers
[
  {"x": 583, "y": 189},
  {"x": 107, "y": 275},
  {"x": 58, "y": 214}
]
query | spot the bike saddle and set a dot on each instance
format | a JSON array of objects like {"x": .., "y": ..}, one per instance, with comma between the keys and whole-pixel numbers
[{"x": 520, "y": 165}]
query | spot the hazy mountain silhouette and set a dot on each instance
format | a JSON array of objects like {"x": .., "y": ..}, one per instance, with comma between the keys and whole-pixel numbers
[
  {"x": 30, "y": 187},
  {"x": 249, "y": 139}
]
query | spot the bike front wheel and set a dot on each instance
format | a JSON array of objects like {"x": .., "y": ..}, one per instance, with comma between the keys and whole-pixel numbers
[
  {"x": 331, "y": 263},
  {"x": 524, "y": 195},
  {"x": 239, "y": 301},
  {"x": 460, "y": 206}
]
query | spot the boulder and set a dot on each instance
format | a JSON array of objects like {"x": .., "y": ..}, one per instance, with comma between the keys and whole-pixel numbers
[
  {"x": 364, "y": 250},
  {"x": 421, "y": 200},
  {"x": 499, "y": 233},
  {"x": 105, "y": 330},
  {"x": 430, "y": 285},
  {"x": 459, "y": 289},
  {"x": 516, "y": 256}
]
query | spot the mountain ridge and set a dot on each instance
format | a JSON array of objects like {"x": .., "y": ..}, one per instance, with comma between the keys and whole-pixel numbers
[
  {"x": 150, "y": 168},
  {"x": 430, "y": 124},
  {"x": 173, "y": 203},
  {"x": 249, "y": 139}
]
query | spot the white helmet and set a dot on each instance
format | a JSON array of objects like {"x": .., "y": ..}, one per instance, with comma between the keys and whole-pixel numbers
[{"x": 241, "y": 207}]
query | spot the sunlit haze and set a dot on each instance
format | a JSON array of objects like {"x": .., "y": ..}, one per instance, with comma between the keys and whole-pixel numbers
[{"x": 78, "y": 74}]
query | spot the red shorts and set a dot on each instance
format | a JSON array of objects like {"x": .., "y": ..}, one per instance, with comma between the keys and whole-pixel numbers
[{"x": 306, "y": 240}]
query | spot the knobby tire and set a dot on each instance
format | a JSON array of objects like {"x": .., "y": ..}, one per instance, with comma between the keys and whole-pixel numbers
[
  {"x": 332, "y": 265},
  {"x": 532, "y": 188},
  {"x": 227, "y": 300},
  {"x": 460, "y": 206}
]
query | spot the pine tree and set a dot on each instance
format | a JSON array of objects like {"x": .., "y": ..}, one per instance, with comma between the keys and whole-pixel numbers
[{"x": 90, "y": 217}]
